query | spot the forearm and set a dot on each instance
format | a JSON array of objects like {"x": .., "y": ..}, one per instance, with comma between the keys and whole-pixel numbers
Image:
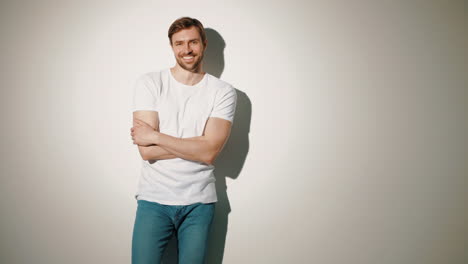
[
  {"x": 195, "y": 149},
  {"x": 155, "y": 153}
]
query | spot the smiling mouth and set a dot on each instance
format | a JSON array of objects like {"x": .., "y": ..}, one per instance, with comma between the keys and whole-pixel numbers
[{"x": 188, "y": 58}]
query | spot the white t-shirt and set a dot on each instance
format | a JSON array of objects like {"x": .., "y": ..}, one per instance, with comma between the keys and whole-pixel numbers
[{"x": 183, "y": 111}]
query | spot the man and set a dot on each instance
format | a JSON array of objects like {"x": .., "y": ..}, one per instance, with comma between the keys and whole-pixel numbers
[{"x": 182, "y": 119}]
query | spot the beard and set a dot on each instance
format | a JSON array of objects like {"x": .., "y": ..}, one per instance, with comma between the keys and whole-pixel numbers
[{"x": 192, "y": 67}]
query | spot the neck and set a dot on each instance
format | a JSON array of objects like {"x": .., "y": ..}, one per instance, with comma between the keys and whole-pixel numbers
[{"x": 187, "y": 77}]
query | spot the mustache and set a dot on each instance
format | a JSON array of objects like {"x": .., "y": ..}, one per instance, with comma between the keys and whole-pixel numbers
[{"x": 189, "y": 53}]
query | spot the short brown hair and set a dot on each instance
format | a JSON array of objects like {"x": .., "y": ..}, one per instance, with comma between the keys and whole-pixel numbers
[{"x": 184, "y": 23}]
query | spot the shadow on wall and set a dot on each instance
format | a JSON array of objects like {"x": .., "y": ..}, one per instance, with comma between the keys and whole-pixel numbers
[{"x": 229, "y": 163}]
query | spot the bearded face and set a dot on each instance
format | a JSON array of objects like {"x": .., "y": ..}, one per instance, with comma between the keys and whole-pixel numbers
[
  {"x": 190, "y": 61},
  {"x": 188, "y": 49}
]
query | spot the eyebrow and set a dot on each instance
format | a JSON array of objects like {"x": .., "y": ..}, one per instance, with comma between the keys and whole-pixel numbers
[{"x": 176, "y": 41}]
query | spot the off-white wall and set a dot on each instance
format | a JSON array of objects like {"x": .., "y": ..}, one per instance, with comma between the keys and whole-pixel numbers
[{"x": 350, "y": 143}]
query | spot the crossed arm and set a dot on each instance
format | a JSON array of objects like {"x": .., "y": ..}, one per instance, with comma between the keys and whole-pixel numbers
[{"x": 154, "y": 145}]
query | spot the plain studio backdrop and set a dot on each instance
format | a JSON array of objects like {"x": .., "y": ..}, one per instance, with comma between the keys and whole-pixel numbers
[{"x": 349, "y": 144}]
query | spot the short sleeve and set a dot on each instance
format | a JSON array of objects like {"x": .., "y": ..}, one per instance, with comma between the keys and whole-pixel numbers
[
  {"x": 225, "y": 104},
  {"x": 144, "y": 94}
]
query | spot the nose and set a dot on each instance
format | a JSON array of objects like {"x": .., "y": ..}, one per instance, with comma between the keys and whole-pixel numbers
[{"x": 188, "y": 48}]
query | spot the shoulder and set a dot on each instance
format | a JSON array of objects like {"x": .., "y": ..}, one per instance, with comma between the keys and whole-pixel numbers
[
  {"x": 152, "y": 80},
  {"x": 152, "y": 75},
  {"x": 218, "y": 84},
  {"x": 223, "y": 91}
]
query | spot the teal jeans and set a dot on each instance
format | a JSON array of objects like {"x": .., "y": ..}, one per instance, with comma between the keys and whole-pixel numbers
[{"x": 156, "y": 223}]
